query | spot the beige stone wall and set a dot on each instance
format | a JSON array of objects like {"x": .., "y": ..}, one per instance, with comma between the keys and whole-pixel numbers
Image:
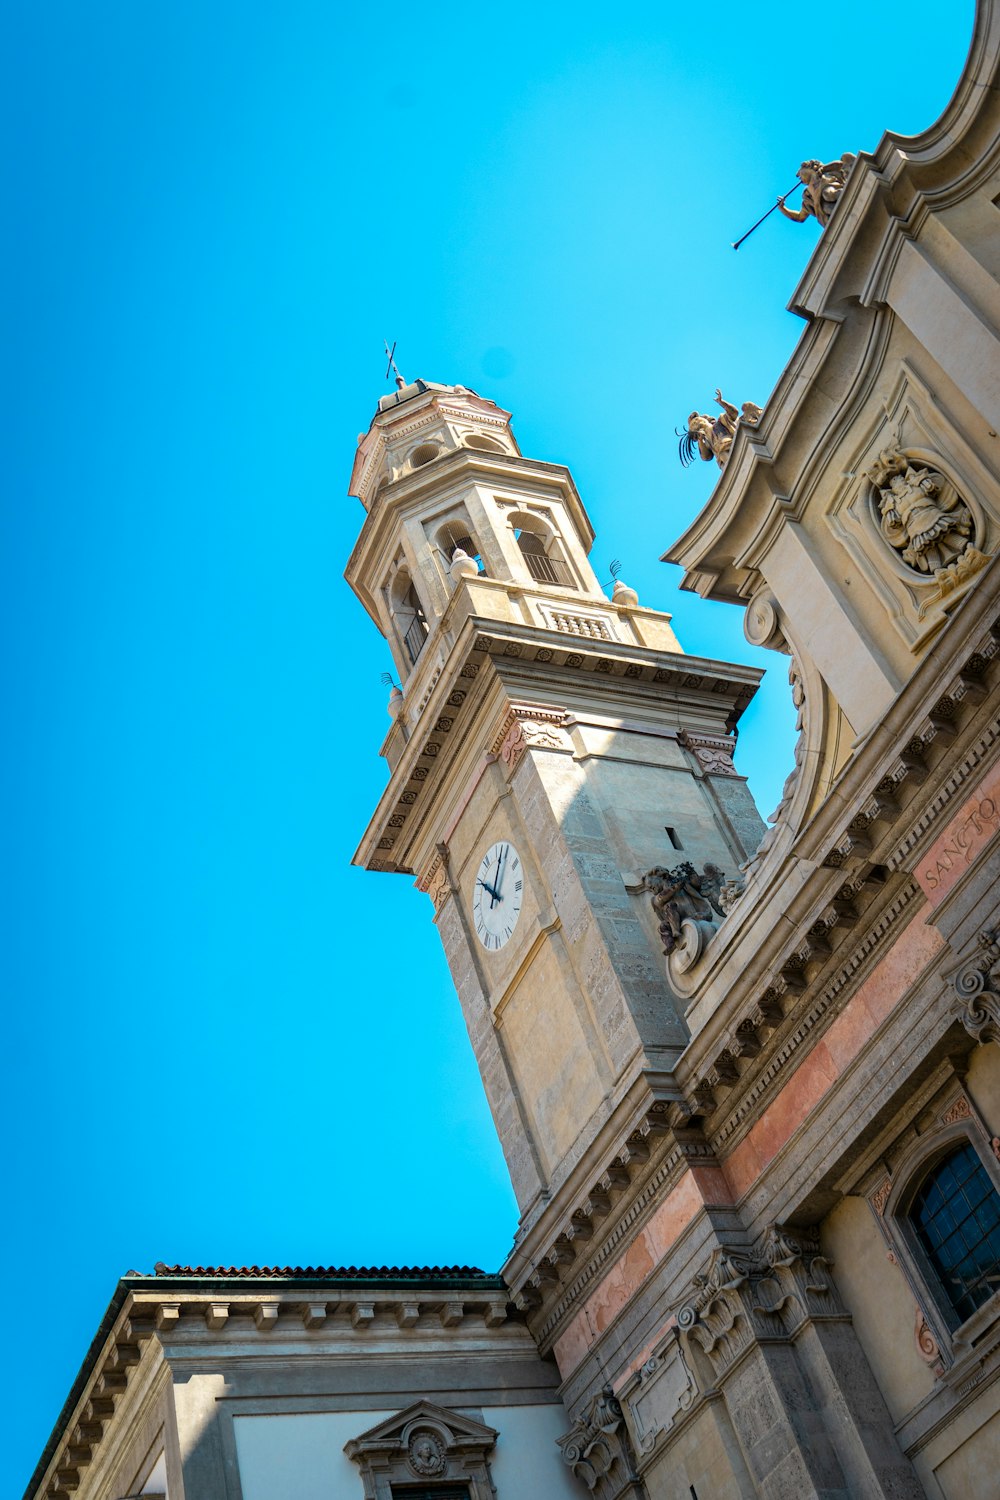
[
  {"x": 703, "y": 1457},
  {"x": 983, "y": 1084},
  {"x": 963, "y": 1461},
  {"x": 880, "y": 1303}
]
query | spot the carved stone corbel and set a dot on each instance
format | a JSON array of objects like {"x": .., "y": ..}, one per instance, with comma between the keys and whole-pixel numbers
[
  {"x": 718, "y": 1317},
  {"x": 598, "y": 1451},
  {"x": 799, "y": 1269},
  {"x": 977, "y": 985},
  {"x": 435, "y": 881},
  {"x": 765, "y": 1293}
]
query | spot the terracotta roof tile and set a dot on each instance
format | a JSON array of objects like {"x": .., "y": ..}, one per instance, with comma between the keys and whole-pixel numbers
[{"x": 340, "y": 1273}]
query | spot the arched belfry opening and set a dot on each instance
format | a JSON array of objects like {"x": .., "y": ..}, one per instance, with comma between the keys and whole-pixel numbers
[
  {"x": 408, "y": 615},
  {"x": 457, "y": 535},
  {"x": 541, "y": 550}
]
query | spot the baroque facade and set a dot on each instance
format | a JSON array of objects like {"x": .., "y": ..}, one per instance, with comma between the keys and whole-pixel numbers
[{"x": 747, "y": 1083}]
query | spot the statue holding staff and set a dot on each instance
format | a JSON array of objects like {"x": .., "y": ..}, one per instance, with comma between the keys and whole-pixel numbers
[{"x": 823, "y": 183}]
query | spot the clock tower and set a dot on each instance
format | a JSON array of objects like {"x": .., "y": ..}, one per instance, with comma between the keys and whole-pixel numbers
[{"x": 548, "y": 747}]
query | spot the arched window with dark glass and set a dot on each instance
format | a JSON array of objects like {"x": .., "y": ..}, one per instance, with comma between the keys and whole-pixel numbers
[{"x": 955, "y": 1215}]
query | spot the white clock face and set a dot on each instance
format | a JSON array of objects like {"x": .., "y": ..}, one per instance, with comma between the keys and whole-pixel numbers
[{"x": 496, "y": 902}]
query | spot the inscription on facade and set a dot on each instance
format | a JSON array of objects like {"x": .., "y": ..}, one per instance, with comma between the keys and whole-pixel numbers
[{"x": 975, "y": 826}]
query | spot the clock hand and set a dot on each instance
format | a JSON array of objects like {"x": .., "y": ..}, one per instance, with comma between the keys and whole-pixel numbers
[
  {"x": 487, "y": 888},
  {"x": 501, "y": 869}
]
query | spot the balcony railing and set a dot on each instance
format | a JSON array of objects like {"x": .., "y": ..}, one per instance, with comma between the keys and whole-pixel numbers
[
  {"x": 414, "y": 638},
  {"x": 548, "y": 569}
]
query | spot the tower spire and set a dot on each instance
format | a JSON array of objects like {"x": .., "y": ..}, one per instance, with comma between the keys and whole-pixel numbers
[{"x": 392, "y": 365}]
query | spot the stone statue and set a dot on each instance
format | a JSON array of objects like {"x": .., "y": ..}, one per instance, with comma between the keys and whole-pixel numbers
[
  {"x": 712, "y": 437},
  {"x": 683, "y": 894},
  {"x": 823, "y": 185},
  {"x": 921, "y": 515}
]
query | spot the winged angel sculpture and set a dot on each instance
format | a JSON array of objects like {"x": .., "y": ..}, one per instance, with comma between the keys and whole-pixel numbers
[{"x": 710, "y": 437}]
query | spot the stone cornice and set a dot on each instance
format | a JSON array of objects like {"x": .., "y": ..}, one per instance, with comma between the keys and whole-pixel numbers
[
  {"x": 442, "y": 719},
  {"x": 857, "y": 865},
  {"x": 265, "y": 1310},
  {"x": 637, "y": 1153},
  {"x": 866, "y": 816}
]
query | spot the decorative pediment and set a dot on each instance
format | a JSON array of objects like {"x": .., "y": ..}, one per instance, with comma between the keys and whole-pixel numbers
[{"x": 424, "y": 1442}]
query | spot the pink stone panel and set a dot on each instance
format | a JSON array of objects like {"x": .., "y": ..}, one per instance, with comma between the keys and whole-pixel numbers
[
  {"x": 803, "y": 1091},
  {"x": 713, "y": 1184},
  {"x": 637, "y": 1263},
  {"x": 673, "y": 1216},
  {"x": 885, "y": 986},
  {"x": 962, "y": 841},
  {"x": 644, "y": 1353},
  {"x": 849, "y": 1032},
  {"x": 743, "y": 1167},
  {"x": 901, "y": 968},
  {"x": 571, "y": 1347}
]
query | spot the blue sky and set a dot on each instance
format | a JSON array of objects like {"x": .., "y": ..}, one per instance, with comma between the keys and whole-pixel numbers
[{"x": 225, "y": 1044}]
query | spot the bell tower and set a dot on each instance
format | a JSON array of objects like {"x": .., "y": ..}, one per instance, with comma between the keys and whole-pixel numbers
[{"x": 548, "y": 746}]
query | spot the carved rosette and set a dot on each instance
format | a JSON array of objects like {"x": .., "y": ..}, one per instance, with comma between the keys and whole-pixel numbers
[
  {"x": 977, "y": 985},
  {"x": 597, "y": 1448}
]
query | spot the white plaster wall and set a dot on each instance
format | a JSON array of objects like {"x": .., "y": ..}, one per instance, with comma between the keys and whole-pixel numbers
[
  {"x": 526, "y": 1464},
  {"x": 301, "y": 1457}
]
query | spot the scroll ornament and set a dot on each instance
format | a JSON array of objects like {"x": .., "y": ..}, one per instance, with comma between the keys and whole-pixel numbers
[
  {"x": 977, "y": 985},
  {"x": 597, "y": 1448},
  {"x": 766, "y": 1292}
]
